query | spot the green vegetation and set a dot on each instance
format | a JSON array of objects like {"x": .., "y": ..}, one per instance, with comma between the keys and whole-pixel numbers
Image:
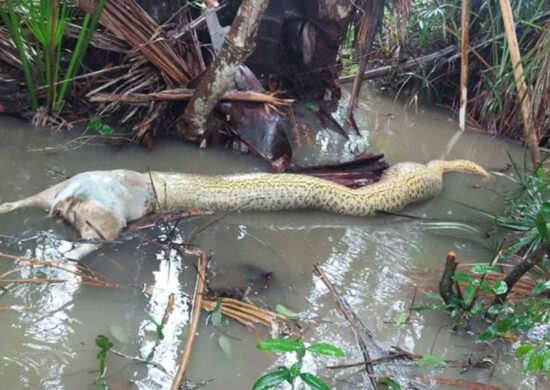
[
  {"x": 435, "y": 24},
  {"x": 525, "y": 238},
  {"x": 38, "y": 28},
  {"x": 104, "y": 345},
  {"x": 289, "y": 374},
  {"x": 101, "y": 127}
]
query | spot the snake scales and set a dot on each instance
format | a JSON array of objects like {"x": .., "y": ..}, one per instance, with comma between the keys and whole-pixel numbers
[{"x": 100, "y": 203}]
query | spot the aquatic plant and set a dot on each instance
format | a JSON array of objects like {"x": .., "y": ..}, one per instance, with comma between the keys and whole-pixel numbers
[
  {"x": 38, "y": 29},
  {"x": 289, "y": 374},
  {"x": 104, "y": 345}
]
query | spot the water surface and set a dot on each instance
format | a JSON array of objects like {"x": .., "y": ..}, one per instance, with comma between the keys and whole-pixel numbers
[{"x": 374, "y": 262}]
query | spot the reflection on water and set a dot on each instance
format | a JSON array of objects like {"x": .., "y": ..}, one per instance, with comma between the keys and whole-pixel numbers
[{"x": 375, "y": 263}]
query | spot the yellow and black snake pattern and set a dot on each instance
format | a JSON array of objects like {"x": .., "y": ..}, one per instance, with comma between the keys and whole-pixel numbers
[{"x": 402, "y": 184}]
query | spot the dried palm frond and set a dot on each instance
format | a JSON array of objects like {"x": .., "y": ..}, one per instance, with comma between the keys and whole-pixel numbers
[
  {"x": 8, "y": 52},
  {"x": 129, "y": 22},
  {"x": 248, "y": 315}
]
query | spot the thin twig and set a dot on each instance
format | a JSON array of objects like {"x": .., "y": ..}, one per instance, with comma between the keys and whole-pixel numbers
[
  {"x": 356, "y": 325},
  {"x": 197, "y": 304}
]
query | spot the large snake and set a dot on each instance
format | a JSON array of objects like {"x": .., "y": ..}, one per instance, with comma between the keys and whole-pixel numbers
[{"x": 100, "y": 203}]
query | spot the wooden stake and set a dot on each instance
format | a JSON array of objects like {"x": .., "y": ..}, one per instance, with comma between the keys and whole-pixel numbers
[
  {"x": 464, "y": 43},
  {"x": 529, "y": 135}
]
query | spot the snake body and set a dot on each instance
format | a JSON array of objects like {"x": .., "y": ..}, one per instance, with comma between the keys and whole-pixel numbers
[
  {"x": 100, "y": 203},
  {"x": 402, "y": 184}
]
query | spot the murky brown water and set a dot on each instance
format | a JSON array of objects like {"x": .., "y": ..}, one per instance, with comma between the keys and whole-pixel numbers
[{"x": 374, "y": 262}]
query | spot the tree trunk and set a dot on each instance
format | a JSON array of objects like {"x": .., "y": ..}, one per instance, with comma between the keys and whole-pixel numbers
[
  {"x": 238, "y": 45},
  {"x": 529, "y": 135}
]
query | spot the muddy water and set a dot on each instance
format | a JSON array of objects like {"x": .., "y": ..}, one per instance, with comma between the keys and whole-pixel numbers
[{"x": 49, "y": 341}]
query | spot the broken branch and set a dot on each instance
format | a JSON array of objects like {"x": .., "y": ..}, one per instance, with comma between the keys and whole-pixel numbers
[{"x": 186, "y": 94}]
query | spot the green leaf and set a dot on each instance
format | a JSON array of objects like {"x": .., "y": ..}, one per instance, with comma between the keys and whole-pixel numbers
[
  {"x": 495, "y": 310},
  {"x": 95, "y": 123},
  {"x": 311, "y": 106},
  {"x": 482, "y": 269},
  {"x": 313, "y": 381},
  {"x": 159, "y": 332},
  {"x": 503, "y": 325},
  {"x": 106, "y": 130},
  {"x": 487, "y": 335},
  {"x": 462, "y": 278},
  {"x": 158, "y": 327},
  {"x": 485, "y": 286},
  {"x": 272, "y": 379},
  {"x": 541, "y": 287},
  {"x": 326, "y": 349},
  {"x": 431, "y": 360},
  {"x": 225, "y": 346},
  {"x": 533, "y": 361},
  {"x": 216, "y": 316},
  {"x": 546, "y": 363},
  {"x": 470, "y": 291},
  {"x": 400, "y": 319},
  {"x": 477, "y": 309},
  {"x": 539, "y": 173},
  {"x": 390, "y": 383},
  {"x": 286, "y": 312},
  {"x": 281, "y": 345},
  {"x": 102, "y": 128},
  {"x": 103, "y": 343},
  {"x": 542, "y": 227},
  {"x": 523, "y": 349},
  {"x": 295, "y": 369},
  {"x": 500, "y": 287}
]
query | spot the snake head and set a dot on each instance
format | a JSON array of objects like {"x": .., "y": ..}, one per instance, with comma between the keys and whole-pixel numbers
[{"x": 465, "y": 166}]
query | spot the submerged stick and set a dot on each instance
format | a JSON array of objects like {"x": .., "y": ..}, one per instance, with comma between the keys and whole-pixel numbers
[
  {"x": 356, "y": 325},
  {"x": 197, "y": 304}
]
